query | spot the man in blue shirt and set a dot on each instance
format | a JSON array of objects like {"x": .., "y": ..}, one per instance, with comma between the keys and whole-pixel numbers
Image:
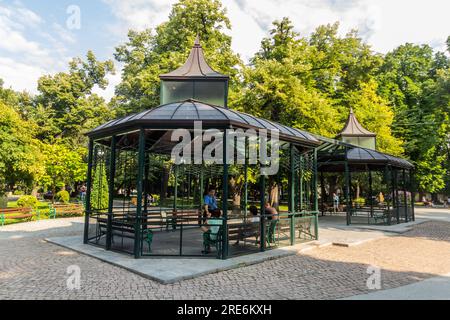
[{"x": 210, "y": 202}]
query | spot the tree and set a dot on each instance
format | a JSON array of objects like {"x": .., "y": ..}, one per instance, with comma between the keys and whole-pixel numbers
[
  {"x": 415, "y": 82},
  {"x": 311, "y": 83},
  {"x": 63, "y": 166},
  {"x": 20, "y": 158},
  {"x": 148, "y": 54},
  {"x": 100, "y": 194},
  {"x": 279, "y": 85},
  {"x": 66, "y": 107}
]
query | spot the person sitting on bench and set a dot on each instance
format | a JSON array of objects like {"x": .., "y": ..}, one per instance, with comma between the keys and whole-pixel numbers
[
  {"x": 210, "y": 230},
  {"x": 210, "y": 201},
  {"x": 272, "y": 215},
  {"x": 253, "y": 231},
  {"x": 254, "y": 211}
]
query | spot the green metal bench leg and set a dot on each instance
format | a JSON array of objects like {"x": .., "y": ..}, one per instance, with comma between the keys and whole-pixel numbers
[{"x": 149, "y": 240}]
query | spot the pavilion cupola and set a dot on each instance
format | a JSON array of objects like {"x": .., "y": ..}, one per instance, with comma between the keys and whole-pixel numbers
[
  {"x": 195, "y": 79},
  {"x": 354, "y": 133}
]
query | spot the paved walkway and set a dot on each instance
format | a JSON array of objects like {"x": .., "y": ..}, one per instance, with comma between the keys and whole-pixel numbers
[
  {"x": 31, "y": 268},
  {"x": 437, "y": 288}
]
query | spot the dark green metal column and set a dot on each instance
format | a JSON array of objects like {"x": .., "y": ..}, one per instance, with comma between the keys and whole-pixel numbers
[
  {"x": 292, "y": 179},
  {"x": 314, "y": 183},
  {"x": 395, "y": 194},
  {"x": 202, "y": 188},
  {"x": 146, "y": 183},
  {"x": 262, "y": 184},
  {"x": 112, "y": 174},
  {"x": 316, "y": 199},
  {"x": 246, "y": 179},
  {"x": 175, "y": 187},
  {"x": 370, "y": 194},
  {"x": 347, "y": 192},
  {"x": 292, "y": 193},
  {"x": 411, "y": 187},
  {"x": 300, "y": 187},
  {"x": 322, "y": 192},
  {"x": 225, "y": 197},
  {"x": 88, "y": 191},
  {"x": 405, "y": 198},
  {"x": 140, "y": 178},
  {"x": 387, "y": 173}
]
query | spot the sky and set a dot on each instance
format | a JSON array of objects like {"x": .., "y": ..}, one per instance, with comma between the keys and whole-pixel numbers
[{"x": 41, "y": 37}]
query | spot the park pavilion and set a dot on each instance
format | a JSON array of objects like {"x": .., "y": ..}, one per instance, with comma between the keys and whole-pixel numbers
[{"x": 141, "y": 202}]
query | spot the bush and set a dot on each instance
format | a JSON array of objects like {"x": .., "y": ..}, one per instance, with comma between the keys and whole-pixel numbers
[
  {"x": 156, "y": 198},
  {"x": 18, "y": 192},
  {"x": 360, "y": 201},
  {"x": 27, "y": 202},
  {"x": 63, "y": 196},
  {"x": 3, "y": 201}
]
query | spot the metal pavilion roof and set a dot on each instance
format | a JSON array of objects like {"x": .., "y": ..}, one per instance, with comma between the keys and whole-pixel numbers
[
  {"x": 183, "y": 114},
  {"x": 353, "y": 128},
  {"x": 195, "y": 67},
  {"x": 332, "y": 151},
  {"x": 359, "y": 154}
]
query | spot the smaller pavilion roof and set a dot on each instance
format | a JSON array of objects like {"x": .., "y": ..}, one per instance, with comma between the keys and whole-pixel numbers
[
  {"x": 195, "y": 67},
  {"x": 371, "y": 156},
  {"x": 354, "y": 129},
  {"x": 332, "y": 153}
]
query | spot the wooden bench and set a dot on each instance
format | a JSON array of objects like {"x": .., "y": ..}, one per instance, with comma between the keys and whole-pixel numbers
[
  {"x": 186, "y": 217},
  {"x": 384, "y": 215},
  {"x": 15, "y": 213},
  {"x": 122, "y": 228},
  {"x": 68, "y": 210},
  {"x": 242, "y": 231}
]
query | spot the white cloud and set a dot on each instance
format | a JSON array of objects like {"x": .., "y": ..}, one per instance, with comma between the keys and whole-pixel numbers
[
  {"x": 138, "y": 14},
  {"x": 20, "y": 76},
  {"x": 385, "y": 24},
  {"x": 27, "y": 48},
  {"x": 63, "y": 33}
]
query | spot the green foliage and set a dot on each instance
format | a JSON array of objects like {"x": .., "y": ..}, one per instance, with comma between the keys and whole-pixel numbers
[
  {"x": 27, "y": 202},
  {"x": 311, "y": 83},
  {"x": 3, "y": 201},
  {"x": 156, "y": 199},
  {"x": 359, "y": 201},
  {"x": 416, "y": 83},
  {"x": 146, "y": 55},
  {"x": 62, "y": 165},
  {"x": 19, "y": 151},
  {"x": 100, "y": 190},
  {"x": 63, "y": 196},
  {"x": 66, "y": 107}
]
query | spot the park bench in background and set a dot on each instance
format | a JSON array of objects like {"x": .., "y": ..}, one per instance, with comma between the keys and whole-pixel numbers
[
  {"x": 192, "y": 216},
  {"x": 16, "y": 213},
  {"x": 66, "y": 210}
]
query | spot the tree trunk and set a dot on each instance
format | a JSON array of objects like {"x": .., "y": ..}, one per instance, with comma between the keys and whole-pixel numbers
[{"x": 165, "y": 182}]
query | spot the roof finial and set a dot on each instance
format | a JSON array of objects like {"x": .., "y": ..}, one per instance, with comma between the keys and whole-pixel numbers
[
  {"x": 351, "y": 110},
  {"x": 197, "y": 41}
]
